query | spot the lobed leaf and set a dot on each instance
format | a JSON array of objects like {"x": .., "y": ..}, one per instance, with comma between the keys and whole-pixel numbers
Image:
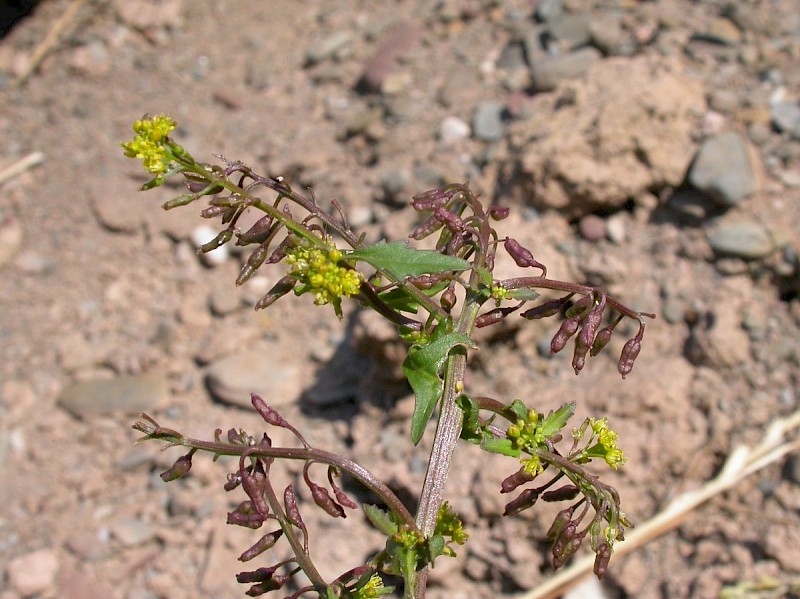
[{"x": 401, "y": 260}]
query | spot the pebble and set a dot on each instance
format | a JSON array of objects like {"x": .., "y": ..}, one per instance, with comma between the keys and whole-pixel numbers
[
  {"x": 616, "y": 228},
  {"x": 572, "y": 31},
  {"x": 132, "y": 531},
  {"x": 130, "y": 394},
  {"x": 92, "y": 59},
  {"x": 33, "y": 573},
  {"x": 745, "y": 239},
  {"x": 487, "y": 122},
  {"x": 452, "y": 130},
  {"x": 77, "y": 585},
  {"x": 722, "y": 169},
  {"x": 592, "y": 227},
  {"x": 33, "y": 263},
  {"x": 399, "y": 41},
  {"x": 203, "y": 234},
  {"x": 547, "y": 10},
  {"x": 786, "y": 117},
  {"x": 328, "y": 47},
  {"x": 547, "y": 73},
  {"x": 267, "y": 373}
]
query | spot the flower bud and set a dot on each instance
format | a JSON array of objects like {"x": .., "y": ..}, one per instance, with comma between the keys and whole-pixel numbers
[
  {"x": 567, "y": 330},
  {"x": 179, "y": 469}
]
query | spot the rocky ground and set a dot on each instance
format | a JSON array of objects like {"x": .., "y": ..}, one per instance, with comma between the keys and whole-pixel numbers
[{"x": 649, "y": 147}]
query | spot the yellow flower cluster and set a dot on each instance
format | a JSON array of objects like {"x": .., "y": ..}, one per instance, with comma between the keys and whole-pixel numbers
[
  {"x": 372, "y": 590},
  {"x": 149, "y": 143},
  {"x": 527, "y": 434},
  {"x": 607, "y": 439},
  {"x": 319, "y": 271}
]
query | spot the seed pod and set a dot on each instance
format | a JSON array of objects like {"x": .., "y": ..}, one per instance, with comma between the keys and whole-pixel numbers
[
  {"x": 262, "y": 588},
  {"x": 567, "y": 330},
  {"x": 601, "y": 340},
  {"x": 630, "y": 352},
  {"x": 279, "y": 289},
  {"x": 561, "y": 520},
  {"x": 215, "y": 211},
  {"x": 565, "y": 536},
  {"x": 254, "y": 483},
  {"x": 221, "y": 239},
  {"x": 324, "y": 500},
  {"x": 292, "y": 512},
  {"x": 547, "y": 309},
  {"x": 452, "y": 221},
  {"x": 522, "y": 502},
  {"x": 569, "y": 549},
  {"x": 520, "y": 477},
  {"x": 424, "y": 281},
  {"x": 448, "y": 298},
  {"x": 601, "y": 559},
  {"x": 498, "y": 213},
  {"x": 564, "y": 493},
  {"x": 579, "y": 306},
  {"x": 254, "y": 262},
  {"x": 430, "y": 200},
  {"x": 591, "y": 323},
  {"x": 258, "y": 233},
  {"x": 455, "y": 243},
  {"x": 234, "y": 480},
  {"x": 429, "y": 226},
  {"x": 179, "y": 469},
  {"x": 522, "y": 256},
  {"x": 341, "y": 496},
  {"x": 489, "y": 318},
  {"x": 267, "y": 412},
  {"x": 252, "y": 521},
  {"x": 258, "y": 575}
]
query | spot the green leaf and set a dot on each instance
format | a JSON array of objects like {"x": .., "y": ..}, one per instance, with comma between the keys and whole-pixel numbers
[
  {"x": 436, "y": 546},
  {"x": 500, "y": 445},
  {"x": 470, "y": 430},
  {"x": 555, "y": 421},
  {"x": 380, "y": 519},
  {"x": 400, "y": 299},
  {"x": 485, "y": 276},
  {"x": 422, "y": 367},
  {"x": 519, "y": 409},
  {"x": 523, "y": 293},
  {"x": 401, "y": 261}
]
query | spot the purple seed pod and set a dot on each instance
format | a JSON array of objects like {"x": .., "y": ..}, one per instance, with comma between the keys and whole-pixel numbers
[
  {"x": 423, "y": 281},
  {"x": 253, "y": 521},
  {"x": 225, "y": 201},
  {"x": 428, "y": 227},
  {"x": 341, "y": 496},
  {"x": 547, "y": 309},
  {"x": 179, "y": 469},
  {"x": 567, "y": 329},
  {"x": 564, "y": 493},
  {"x": 630, "y": 352},
  {"x": 234, "y": 480},
  {"x": 569, "y": 549},
  {"x": 591, "y": 323},
  {"x": 258, "y": 575},
  {"x": 254, "y": 483},
  {"x": 262, "y": 588},
  {"x": 491, "y": 317},
  {"x": 269, "y": 414},
  {"x": 601, "y": 340},
  {"x": 448, "y": 298},
  {"x": 279, "y": 289},
  {"x": 520, "y": 477},
  {"x": 455, "y": 243},
  {"x": 254, "y": 262},
  {"x": 579, "y": 307},
  {"x": 522, "y": 502},
  {"x": 431, "y": 200},
  {"x": 498, "y": 213},
  {"x": 601, "y": 559},
  {"x": 258, "y": 233},
  {"x": 260, "y": 546},
  {"x": 565, "y": 536},
  {"x": 215, "y": 211},
  {"x": 324, "y": 500},
  {"x": 522, "y": 256},
  {"x": 292, "y": 511},
  {"x": 452, "y": 221},
  {"x": 561, "y": 520}
]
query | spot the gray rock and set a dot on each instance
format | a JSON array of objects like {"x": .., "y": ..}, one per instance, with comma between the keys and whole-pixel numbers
[
  {"x": 327, "y": 47},
  {"x": 746, "y": 239},
  {"x": 722, "y": 169},
  {"x": 571, "y": 31},
  {"x": 548, "y": 72},
  {"x": 546, "y": 10},
  {"x": 268, "y": 373},
  {"x": 132, "y": 531},
  {"x": 487, "y": 122},
  {"x": 128, "y": 394},
  {"x": 608, "y": 36},
  {"x": 786, "y": 117}
]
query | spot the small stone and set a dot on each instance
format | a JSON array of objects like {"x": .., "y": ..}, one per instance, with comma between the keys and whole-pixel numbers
[
  {"x": 88, "y": 546},
  {"x": 33, "y": 573},
  {"x": 547, "y": 10},
  {"x": 746, "y": 240},
  {"x": 487, "y": 123},
  {"x": 453, "y": 130},
  {"x": 274, "y": 377},
  {"x": 722, "y": 31},
  {"x": 77, "y": 585},
  {"x": 616, "y": 228},
  {"x": 722, "y": 169},
  {"x": 33, "y": 263},
  {"x": 328, "y": 46},
  {"x": 132, "y": 531},
  {"x": 571, "y": 31},
  {"x": 396, "y": 83},
  {"x": 549, "y": 72},
  {"x": 592, "y": 227},
  {"x": 759, "y": 133},
  {"x": 204, "y": 234},
  {"x": 725, "y": 101},
  {"x": 786, "y": 117},
  {"x": 608, "y": 36},
  {"x": 113, "y": 211},
  {"x": 398, "y": 42},
  {"x": 92, "y": 59},
  {"x": 129, "y": 394}
]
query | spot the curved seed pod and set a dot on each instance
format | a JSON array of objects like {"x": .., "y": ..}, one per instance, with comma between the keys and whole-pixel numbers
[
  {"x": 292, "y": 511},
  {"x": 429, "y": 226},
  {"x": 570, "y": 548},
  {"x": 267, "y": 412},
  {"x": 522, "y": 502},
  {"x": 221, "y": 239},
  {"x": 547, "y": 309},
  {"x": 279, "y": 289},
  {"x": 564, "y": 493},
  {"x": 491, "y": 317},
  {"x": 252, "y": 521},
  {"x": 258, "y": 233},
  {"x": 431, "y": 199},
  {"x": 341, "y": 496},
  {"x": 523, "y": 257},
  {"x": 254, "y": 483},
  {"x": 324, "y": 500},
  {"x": 630, "y": 351},
  {"x": 424, "y": 281},
  {"x": 448, "y": 298},
  {"x": 520, "y": 477},
  {"x": 215, "y": 211},
  {"x": 280, "y": 251},
  {"x": 568, "y": 533},
  {"x": 262, "y": 588},
  {"x": 559, "y": 523},
  {"x": 254, "y": 262},
  {"x": 179, "y": 469},
  {"x": 601, "y": 559},
  {"x": 580, "y": 306},
  {"x": 455, "y": 244},
  {"x": 567, "y": 329},
  {"x": 601, "y": 340},
  {"x": 452, "y": 221},
  {"x": 234, "y": 480},
  {"x": 258, "y": 575}
]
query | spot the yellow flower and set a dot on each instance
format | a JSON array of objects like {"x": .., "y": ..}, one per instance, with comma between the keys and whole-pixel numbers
[
  {"x": 150, "y": 143},
  {"x": 319, "y": 273}
]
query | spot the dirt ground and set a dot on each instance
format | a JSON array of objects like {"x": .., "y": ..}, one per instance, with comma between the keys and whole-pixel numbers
[{"x": 652, "y": 148}]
